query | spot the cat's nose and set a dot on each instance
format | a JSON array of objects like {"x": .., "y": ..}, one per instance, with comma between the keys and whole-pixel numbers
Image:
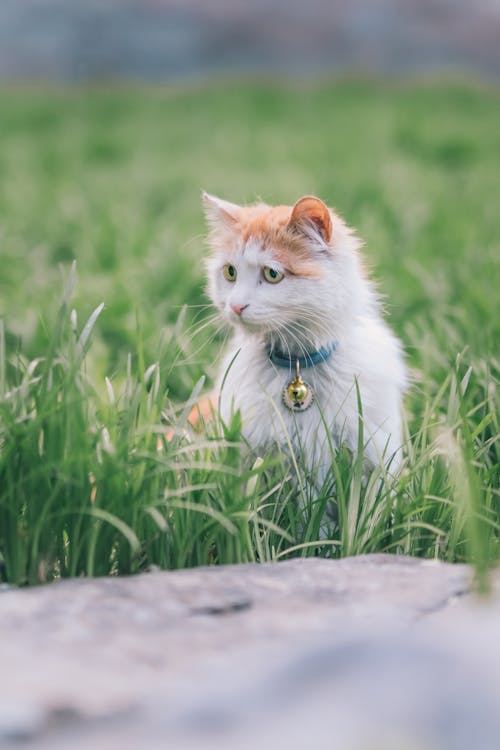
[{"x": 238, "y": 309}]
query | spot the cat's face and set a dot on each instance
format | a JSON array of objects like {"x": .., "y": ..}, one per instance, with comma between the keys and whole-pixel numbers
[{"x": 280, "y": 269}]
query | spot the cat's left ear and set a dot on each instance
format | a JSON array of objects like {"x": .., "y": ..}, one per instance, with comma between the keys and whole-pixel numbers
[
  {"x": 310, "y": 212},
  {"x": 218, "y": 211}
]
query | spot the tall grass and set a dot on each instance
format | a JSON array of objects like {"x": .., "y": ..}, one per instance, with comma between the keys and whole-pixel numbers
[
  {"x": 99, "y": 469},
  {"x": 96, "y": 481}
]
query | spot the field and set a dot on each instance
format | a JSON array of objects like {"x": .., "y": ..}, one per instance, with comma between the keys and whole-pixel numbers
[{"x": 111, "y": 179}]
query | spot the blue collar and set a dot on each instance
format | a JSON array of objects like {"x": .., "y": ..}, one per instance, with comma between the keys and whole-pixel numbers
[{"x": 308, "y": 360}]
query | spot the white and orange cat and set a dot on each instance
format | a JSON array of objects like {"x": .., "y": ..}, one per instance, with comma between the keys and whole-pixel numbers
[{"x": 290, "y": 282}]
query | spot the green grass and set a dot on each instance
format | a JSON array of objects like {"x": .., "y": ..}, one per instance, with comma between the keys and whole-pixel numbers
[{"x": 89, "y": 484}]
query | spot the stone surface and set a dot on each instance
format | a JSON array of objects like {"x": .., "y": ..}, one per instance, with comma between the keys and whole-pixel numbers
[{"x": 374, "y": 652}]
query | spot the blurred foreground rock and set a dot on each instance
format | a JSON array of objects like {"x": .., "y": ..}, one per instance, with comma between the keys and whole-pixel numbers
[{"x": 367, "y": 653}]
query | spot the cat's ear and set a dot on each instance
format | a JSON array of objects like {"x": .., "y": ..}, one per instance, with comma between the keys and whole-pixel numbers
[
  {"x": 310, "y": 212},
  {"x": 219, "y": 212}
]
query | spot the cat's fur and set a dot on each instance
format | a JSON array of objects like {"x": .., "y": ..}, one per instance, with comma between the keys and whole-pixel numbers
[{"x": 324, "y": 296}]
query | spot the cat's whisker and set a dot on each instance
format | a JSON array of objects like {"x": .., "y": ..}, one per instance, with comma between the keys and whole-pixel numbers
[
  {"x": 194, "y": 331},
  {"x": 288, "y": 338},
  {"x": 298, "y": 334},
  {"x": 284, "y": 343},
  {"x": 297, "y": 341},
  {"x": 189, "y": 358},
  {"x": 324, "y": 333}
]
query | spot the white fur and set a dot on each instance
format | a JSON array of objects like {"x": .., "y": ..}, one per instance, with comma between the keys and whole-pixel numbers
[{"x": 298, "y": 315}]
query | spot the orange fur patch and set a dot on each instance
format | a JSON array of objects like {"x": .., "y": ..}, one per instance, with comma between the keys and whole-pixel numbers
[
  {"x": 202, "y": 412},
  {"x": 199, "y": 416},
  {"x": 269, "y": 227},
  {"x": 281, "y": 230}
]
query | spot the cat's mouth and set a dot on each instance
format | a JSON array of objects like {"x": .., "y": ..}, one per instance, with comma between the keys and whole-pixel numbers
[
  {"x": 247, "y": 324},
  {"x": 245, "y": 320}
]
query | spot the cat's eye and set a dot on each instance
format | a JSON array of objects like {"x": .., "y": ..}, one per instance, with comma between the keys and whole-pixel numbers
[
  {"x": 229, "y": 272},
  {"x": 272, "y": 275}
]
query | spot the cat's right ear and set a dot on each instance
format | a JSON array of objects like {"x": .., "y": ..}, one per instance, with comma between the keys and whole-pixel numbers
[{"x": 219, "y": 212}]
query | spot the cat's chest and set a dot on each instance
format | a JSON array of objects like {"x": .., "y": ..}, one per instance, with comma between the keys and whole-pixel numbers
[{"x": 258, "y": 389}]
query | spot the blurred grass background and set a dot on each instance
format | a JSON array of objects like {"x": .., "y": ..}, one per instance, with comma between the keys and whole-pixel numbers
[{"x": 111, "y": 178}]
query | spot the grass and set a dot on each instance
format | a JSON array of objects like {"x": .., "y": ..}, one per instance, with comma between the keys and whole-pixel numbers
[{"x": 89, "y": 482}]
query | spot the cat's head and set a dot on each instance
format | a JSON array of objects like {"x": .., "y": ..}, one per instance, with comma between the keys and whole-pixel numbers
[{"x": 283, "y": 269}]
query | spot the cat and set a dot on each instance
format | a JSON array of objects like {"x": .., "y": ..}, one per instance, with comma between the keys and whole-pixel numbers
[{"x": 290, "y": 281}]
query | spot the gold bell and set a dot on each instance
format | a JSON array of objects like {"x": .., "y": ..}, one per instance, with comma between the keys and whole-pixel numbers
[
  {"x": 297, "y": 395},
  {"x": 297, "y": 390}
]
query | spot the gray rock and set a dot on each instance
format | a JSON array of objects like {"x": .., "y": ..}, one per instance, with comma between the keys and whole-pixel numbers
[{"x": 363, "y": 653}]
